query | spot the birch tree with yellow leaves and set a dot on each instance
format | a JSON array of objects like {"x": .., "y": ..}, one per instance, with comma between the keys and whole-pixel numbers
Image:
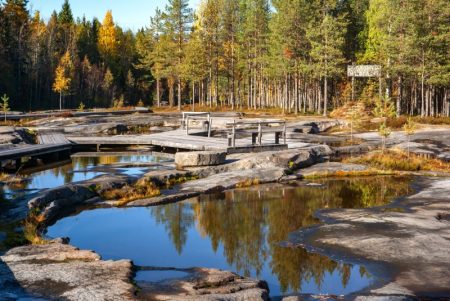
[{"x": 62, "y": 77}]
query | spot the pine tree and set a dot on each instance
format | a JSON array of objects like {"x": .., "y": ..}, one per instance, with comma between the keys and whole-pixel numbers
[
  {"x": 14, "y": 34},
  {"x": 178, "y": 18},
  {"x": 4, "y": 105},
  {"x": 107, "y": 85},
  {"x": 195, "y": 66},
  {"x": 327, "y": 42},
  {"x": 65, "y": 15}
]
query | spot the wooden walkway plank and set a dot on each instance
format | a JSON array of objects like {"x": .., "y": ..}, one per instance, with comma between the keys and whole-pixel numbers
[
  {"x": 175, "y": 139},
  {"x": 32, "y": 150}
]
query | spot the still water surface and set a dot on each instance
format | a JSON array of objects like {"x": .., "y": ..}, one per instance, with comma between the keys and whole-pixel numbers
[
  {"x": 77, "y": 169},
  {"x": 238, "y": 230}
]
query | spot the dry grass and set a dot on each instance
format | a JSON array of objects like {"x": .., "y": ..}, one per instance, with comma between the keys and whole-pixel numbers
[
  {"x": 127, "y": 194},
  {"x": 249, "y": 112},
  {"x": 247, "y": 183},
  {"x": 432, "y": 120},
  {"x": 178, "y": 180},
  {"x": 10, "y": 178},
  {"x": 143, "y": 189},
  {"x": 355, "y": 173},
  {"x": 32, "y": 228},
  {"x": 400, "y": 161},
  {"x": 10, "y": 122}
]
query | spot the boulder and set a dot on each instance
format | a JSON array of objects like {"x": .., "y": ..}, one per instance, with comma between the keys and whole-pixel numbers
[{"x": 203, "y": 158}]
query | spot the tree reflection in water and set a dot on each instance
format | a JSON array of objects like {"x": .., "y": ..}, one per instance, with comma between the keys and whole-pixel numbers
[{"x": 250, "y": 223}]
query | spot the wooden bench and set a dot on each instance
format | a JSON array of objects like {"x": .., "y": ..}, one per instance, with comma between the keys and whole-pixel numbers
[
  {"x": 203, "y": 117},
  {"x": 257, "y": 134}
]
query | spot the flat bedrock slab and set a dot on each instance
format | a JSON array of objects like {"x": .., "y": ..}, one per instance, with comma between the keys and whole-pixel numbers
[
  {"x": 240, "y": 170},
  {"x": 287, "y": 159},
  {"x": 203, "y": 158},
  {"x": 215, "y": 183},
  {"x": 206, "y": 285},
  {"x": 329, "y": 168},
  {"x": 412, "y": 244},
  {"x": 58, "y": 271}
]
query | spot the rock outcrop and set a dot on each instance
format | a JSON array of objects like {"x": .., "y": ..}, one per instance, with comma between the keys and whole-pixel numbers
[
  {"x": 57, "y": 271},
  {"x": 58, "y": 202},
  {"x": 203, "y": 284},
  {"x": 203, "y": 158},
  {"x": 411, "y": 242}
]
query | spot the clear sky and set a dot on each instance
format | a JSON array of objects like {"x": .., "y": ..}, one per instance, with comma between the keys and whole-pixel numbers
[{"x": 132, "y": 14}]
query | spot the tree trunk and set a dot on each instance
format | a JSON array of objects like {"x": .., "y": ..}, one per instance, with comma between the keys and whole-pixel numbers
[
  {"x": 179, "y": 94},
  {"x": 399, "y": 97},
  {"x": 158, "y": 95},
  {"x": 325, "y": 96},
  {"x": 193, "y": 96}
]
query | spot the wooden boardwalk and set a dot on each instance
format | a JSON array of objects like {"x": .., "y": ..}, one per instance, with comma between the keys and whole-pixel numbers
[
  {"x": 33, "y": 150},
  {"x": 49, "y": 144},
  {"x": 52, "y": 138},
  {"x": 178, "y": 139}
]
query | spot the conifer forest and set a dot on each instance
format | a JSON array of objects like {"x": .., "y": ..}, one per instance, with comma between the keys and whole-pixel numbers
[{"x": 290, "y": 55}]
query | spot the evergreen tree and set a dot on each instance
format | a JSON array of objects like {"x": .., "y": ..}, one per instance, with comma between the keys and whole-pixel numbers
[
  {"x": 327, "y": 38},
  {"x": 178, "y": 19},
  {"x": 65, "y": 15}
]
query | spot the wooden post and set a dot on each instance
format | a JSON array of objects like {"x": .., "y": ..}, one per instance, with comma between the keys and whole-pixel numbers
[
  {"x": 380, "y": 88},
  {"x": 259, "y": 133},
  {"x": 209, "y": 124},
  {"x": 18, "y": 163},
  {"x": 353, "y": 88},
  {"x": 233, "y": 132},
  {"x": 284, "y": 133},
  {"x": 187, "y": 125}
]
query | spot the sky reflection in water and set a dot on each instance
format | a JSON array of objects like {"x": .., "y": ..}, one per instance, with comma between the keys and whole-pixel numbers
[
  {"x": 80, "y": 169},
  {"x": 238, "y": 230}
]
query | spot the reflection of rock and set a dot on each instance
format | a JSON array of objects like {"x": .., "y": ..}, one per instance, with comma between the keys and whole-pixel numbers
[
  {"x": 204, "y": 158},
  {"x": 62, "y": 272},
  {"x": 412, "y": 243},
  {"x": 306, "y": 297},
  {"x": 206, "y": 285}
]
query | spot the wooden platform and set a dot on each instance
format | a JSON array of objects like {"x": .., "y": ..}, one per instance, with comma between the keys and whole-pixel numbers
[
  {"x": 50, "y": 146},
  {"x": 32, "y": 150},
  {"x": 52, "y": 138},
  {"x": 178, "y": 139}
]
